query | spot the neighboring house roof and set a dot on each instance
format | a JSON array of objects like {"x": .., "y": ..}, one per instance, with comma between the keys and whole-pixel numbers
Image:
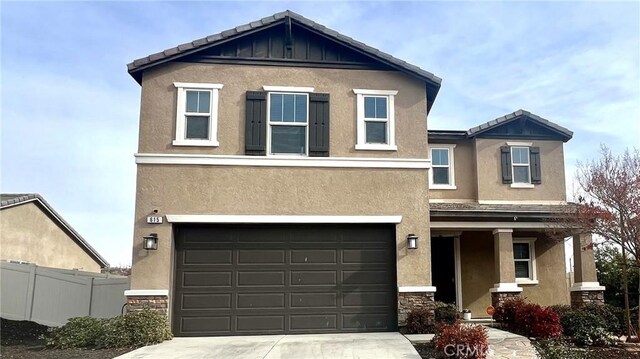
[
  {"x": 474, "y": 209},
  {"x": 8, "y": 200},
  {"x": 560, "y": 132},
  {"x": 137, "y": 66}
]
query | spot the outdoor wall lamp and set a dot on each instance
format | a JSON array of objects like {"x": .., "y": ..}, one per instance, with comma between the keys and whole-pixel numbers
[
  {"x": 150, "y": 242},
  {"x": 412, "y": 241}
]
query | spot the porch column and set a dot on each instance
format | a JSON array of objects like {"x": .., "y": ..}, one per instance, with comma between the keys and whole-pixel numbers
[
  {"x": 505, "y": 271},
  {"x": 586, "y": 288}
]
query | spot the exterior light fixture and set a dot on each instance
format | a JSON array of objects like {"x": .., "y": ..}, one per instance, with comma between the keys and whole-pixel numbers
[
  {"x": 412, "y": 241},
  {"x": 150, "y": 242}
]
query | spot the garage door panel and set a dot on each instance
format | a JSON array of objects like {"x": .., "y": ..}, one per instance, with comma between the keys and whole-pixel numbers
[
  {"x": 252, "y": 323},
  {"x": 205, "y": 324},
  {"x": 262, "y": 278},
  {"x": 314, "y": 256},
  {"x": 364, "y": 277},
  {"x": 314, "y": 300},
  {"x": 260, "y": 257},
  {"x": 277, "y": 279},
  {"x": 205, "y": 301},
  {"x": 207, "y": 257},
  {"x": 260, "y": 300},
  {"x": 313, "y": 278},
  {"x": 318, "y": 322},
  {"x": 206, "y": 279}
]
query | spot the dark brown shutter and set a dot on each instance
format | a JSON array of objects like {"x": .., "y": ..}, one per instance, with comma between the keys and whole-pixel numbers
[
  {"x": 534, "y": 158},
  {"x": 255, "y": 132},
  {"x": 505, "y": 160},
  {"x": 319, "y": 125}
]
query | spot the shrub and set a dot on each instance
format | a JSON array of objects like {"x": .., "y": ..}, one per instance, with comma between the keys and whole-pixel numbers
[
  {"x": 593, "y": 336},
  {"x": 612, "y": 317},
  {"x": 535, "y": 321},
  {"x": 506, "y": 312},
  {"x": 419, "y": 321},
  {"x": 462, "y": 341},
  {"x": 80, "y": 332},
  {"x": 446, "y": 313},
  {"x": 131, "y": 330}
]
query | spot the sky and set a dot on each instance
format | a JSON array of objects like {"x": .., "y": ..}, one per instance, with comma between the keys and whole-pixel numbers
[{"x": 69, "y": 109}]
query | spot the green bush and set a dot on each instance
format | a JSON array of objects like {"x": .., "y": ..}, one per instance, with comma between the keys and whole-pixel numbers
[
  {"x": 80, "y": 332},
  {"x": 593, "y": 336},
  {"x": 131, "y": 330},
  {"x": 446, "y": 313}
]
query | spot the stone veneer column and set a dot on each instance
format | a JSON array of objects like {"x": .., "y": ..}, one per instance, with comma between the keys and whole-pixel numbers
[
  {"x": 411, "y": 298},
  {"x": 586, "y": 289},
  {"x": 505, "y": 272},
  {"x": 154, "y": 299}
]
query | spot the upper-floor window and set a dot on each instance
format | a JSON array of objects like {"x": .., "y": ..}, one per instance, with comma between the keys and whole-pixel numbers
[
  {"x": 520, "y": 163},
  {"x": 197, "y": 114},
  {"x": 288, "y": 123},
  {"x": 442, "y": 175},
  {"x": 375, "y": 120},
  {"x": 524, "y": 257}
]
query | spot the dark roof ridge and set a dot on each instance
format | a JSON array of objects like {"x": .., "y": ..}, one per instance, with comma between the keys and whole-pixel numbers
[{"x": 189, "y": 47}]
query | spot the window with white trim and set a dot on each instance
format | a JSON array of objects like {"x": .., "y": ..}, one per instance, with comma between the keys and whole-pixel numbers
[
  {"x": 442, "y": 175},
  {"x": 524, "y": 257},
  {"x": 197, "y": 114},
  {"x": 288, "y": 118},
  {"x": 520, "y": 165},
  {"x": 375, "y": 119}
]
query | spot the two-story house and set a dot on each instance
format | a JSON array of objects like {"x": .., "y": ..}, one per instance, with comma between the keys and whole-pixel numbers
[{"x": 287, "y": 183}]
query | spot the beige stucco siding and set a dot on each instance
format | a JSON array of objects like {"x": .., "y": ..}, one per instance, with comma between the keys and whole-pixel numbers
[
  {"x": 279, "y": 191},
  {"x": 490, "y": 186},
  {"x": 158, "y": 111},
  {"x": 28, "y": 234},
  {"x": 464, "y": 173},
  {"x": 478, "y": 274}
]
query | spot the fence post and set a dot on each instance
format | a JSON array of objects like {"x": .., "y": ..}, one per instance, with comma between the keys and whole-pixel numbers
[
  {"x": 28, "y": 310},
  {"x": 90, "y": 295}
]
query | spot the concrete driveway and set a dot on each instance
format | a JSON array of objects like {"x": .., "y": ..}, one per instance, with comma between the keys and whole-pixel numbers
[{"x": 307, "y": 346}]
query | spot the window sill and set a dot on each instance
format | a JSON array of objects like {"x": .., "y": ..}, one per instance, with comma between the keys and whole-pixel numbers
[
  {"x": 522, "y": 185},
  {"x": 196, "y": 143},
  {"x": 376, "y": 147},
  {"x": 442, "y": 186},
  {"x": 526, "y": 281}
]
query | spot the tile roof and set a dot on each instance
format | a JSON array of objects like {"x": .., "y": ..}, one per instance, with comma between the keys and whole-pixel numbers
[
  {"x": 205, "y": 42},
  {"x": 501, "y": 208},
  {"x": 13, "y": 199},
  {"x": 508, "y": 117}
]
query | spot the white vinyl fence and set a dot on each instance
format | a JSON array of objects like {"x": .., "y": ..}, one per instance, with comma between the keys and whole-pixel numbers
[{"x": 50, "y": 296}]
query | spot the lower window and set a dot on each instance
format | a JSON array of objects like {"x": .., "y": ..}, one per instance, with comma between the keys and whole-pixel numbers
[{"x": 524, "y": 260}]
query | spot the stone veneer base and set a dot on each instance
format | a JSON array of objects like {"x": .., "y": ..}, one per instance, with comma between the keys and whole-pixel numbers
[
  {"x": 408, "y": 301},
  {"x": 159, "y": 303},
  {"x": 580, "y": 298},
  {"x": 497, "y": 298}
]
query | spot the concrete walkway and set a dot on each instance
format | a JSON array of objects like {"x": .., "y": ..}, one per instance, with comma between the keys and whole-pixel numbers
[
  {"x": 366, "y": 345},
  {"x": 502, "y": 344}
]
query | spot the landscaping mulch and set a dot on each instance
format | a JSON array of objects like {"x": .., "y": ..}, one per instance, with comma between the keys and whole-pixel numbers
[{"x": 23, "y": 340}]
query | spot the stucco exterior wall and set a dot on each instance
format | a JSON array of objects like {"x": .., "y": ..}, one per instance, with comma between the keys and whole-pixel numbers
[
  {"x": 158, "y": 105},
  {"x": 28, "y": 234},
  {"x": 464, "y": 164},
  {"x": 232, "y": 190},
  {"x": 489, "y": 173},
  {"x": 478, "y": 274}
]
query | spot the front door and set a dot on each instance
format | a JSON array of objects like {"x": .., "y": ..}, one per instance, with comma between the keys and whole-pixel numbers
[{"x": 443, "y": 269}]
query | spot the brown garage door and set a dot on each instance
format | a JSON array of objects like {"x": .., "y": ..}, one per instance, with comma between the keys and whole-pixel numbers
[{"x": 274, "y": 279}]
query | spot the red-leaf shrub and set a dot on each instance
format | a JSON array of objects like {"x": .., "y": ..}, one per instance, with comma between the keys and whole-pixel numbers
[
  {"x": 506, "y": 312},
  {"x": 462, "y": 341},
  {"x": 420, "y": 321},
  {"x": 535, "y": 321}
]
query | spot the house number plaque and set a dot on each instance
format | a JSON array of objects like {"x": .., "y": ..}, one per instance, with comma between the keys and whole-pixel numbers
[{"x": 154, "y": 219}]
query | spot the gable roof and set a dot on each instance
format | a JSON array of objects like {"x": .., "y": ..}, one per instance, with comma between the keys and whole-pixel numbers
[
  {"x": 136, "y": 67},
  {"x": 560, "y": 132},
  {"x": 8, "y": 200}
]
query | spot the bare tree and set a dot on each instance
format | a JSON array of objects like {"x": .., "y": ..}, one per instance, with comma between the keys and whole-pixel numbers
[{"x": 608, "y": 203}]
